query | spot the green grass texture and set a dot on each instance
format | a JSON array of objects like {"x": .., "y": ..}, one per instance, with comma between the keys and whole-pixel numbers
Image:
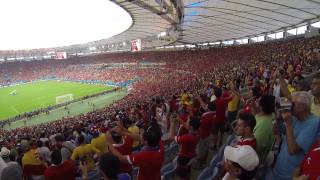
[
  {"x": 74, "y": 109},
  {"x": 41, "y": 94}
]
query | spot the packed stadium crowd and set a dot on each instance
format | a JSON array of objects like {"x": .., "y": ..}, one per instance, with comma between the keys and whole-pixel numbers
[{"x": 257, "y": 95}]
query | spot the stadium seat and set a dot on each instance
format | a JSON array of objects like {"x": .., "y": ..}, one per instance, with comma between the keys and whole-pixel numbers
[
  {"x": 214, "y": 161},
  {"x": 230, "y": 139},
  {"x": 124, "y": 176},
  {"x": 135, "y": 171},
  {"x": 171, "y": 152},
  {"x": 166, "y": 168},
  {"x": 168, "y": 171},
  {"x": 208, "y": 173}
]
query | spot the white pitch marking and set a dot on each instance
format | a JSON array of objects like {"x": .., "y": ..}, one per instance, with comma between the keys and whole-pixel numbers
[{"x": 12, "y": 107}]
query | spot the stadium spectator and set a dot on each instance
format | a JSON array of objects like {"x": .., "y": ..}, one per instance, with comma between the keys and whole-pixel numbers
[
  {"x": 109, "y": 166},
  {"x": 240, "y": 162},
  {"x": 58, "y": 169},
  {"x": 263, "y": 129},
  {"x": 85, "y": 152},
  {"x": 309, "y": 167},
  {"x": 151, "y": 156},
  {"x": 5, "y": 153},
  {"x": 207, "y": 121},
  {"x": 133, "y": 128},
  {"x": 188, "y": 143},
  {"x": 66, "y": 147},
  {"x": 315, "y": 89},
  {"x": 244, "y": 128},
  {"x": 99, "y": 139},
  {"x": 10, "y": 171},
  {"x": 221, "y": 104},
  {"x": 233, "y": 105},
  {"x": 31, "y": 155},
  {"x": 301, "y": 131},
  {"x": 44, "y": 152},
  {"x": 124, "y": 145}
]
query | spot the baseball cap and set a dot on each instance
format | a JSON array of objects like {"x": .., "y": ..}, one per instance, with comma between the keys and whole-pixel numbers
[{"x": 245, "y": 156}]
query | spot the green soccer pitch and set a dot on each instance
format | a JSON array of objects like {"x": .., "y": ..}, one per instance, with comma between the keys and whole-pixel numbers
[{"x": 28, "y": 97}]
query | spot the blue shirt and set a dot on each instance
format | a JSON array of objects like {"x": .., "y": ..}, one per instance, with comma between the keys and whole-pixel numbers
[{"x": 305, "y": 133}]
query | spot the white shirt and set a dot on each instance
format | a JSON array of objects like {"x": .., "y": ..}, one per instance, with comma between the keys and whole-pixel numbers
[{"x": 276, "y": 91}]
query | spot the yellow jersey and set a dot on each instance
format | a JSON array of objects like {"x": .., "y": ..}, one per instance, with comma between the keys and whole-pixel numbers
[
  {"x": 134, "y": 130},
  {"x": 100, "y": 143},
  {"x": 233, "y": 104},
  {"x": 31, "y": 158},
  {"x": 85, "y": 151}
]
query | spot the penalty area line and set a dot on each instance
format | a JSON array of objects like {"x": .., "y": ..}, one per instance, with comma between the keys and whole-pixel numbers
[{"x": 13, "y": 108}]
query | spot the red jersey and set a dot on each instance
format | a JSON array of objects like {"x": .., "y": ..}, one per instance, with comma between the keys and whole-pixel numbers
[
  {"x": 310, "y": 165},
  {"x": 225, "y": 94},
  {"x": 173, "y": 105},
  {"x": 188, "y": 143},
  {"x": 250, "y": 142},
  {"x": 206, "y": 124},
  {"x": 221, "y": 107},
  {"x": 184, "y": 118},
  {"x": 149, "y": 160},
  {"x": 67, "y": 170},
  {"x": 125, "y": 148}
]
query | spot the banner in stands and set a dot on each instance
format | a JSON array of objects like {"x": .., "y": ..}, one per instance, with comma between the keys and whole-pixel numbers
[
  {"x": 61, "y": 55},
  {"x": 136, "y": 45}
]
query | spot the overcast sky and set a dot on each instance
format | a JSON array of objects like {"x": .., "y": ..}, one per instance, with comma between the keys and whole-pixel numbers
[{"x": 28, "y": 24}]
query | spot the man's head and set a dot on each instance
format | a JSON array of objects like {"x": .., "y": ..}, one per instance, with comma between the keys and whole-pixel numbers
[
  {"x": 25, "y": 145},
  {"x": 109, "y": 165},
  {"x": 301, "y": 103},
  {"x": 315, "y": 86},
  {"x": 254, "y": 92},
  {"x": 194, "y": 123},
  {"x": 116, "y": 137},
  {"x": 94, "y": 131},
  {"x": 267, "y": 104},
  {"x": 59, "y": 138},
  {"x": 56, "y": 157},
  {"x": 241, "y": 161},
  {"x": 245, "y": 124},
  {"x": 152, "y": 135}
]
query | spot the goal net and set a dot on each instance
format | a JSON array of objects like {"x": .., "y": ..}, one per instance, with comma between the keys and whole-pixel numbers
[{"x": 64, "y": 98}]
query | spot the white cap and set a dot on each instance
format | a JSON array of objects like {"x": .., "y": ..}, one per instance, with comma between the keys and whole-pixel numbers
[{"x": 245, "y": 156}]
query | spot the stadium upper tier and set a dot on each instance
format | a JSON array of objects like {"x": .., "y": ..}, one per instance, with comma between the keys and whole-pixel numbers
[
  {"x": 193, "y": 61},
  {"x": 176, "y": 23}
]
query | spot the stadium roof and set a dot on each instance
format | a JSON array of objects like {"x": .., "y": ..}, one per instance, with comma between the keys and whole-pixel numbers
[
  {"x": 218, "y": 20},
  {"x": 213, "y": 20},
  {"x": 200, "y": 21},
  {"x": 146, "y": 23}
]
